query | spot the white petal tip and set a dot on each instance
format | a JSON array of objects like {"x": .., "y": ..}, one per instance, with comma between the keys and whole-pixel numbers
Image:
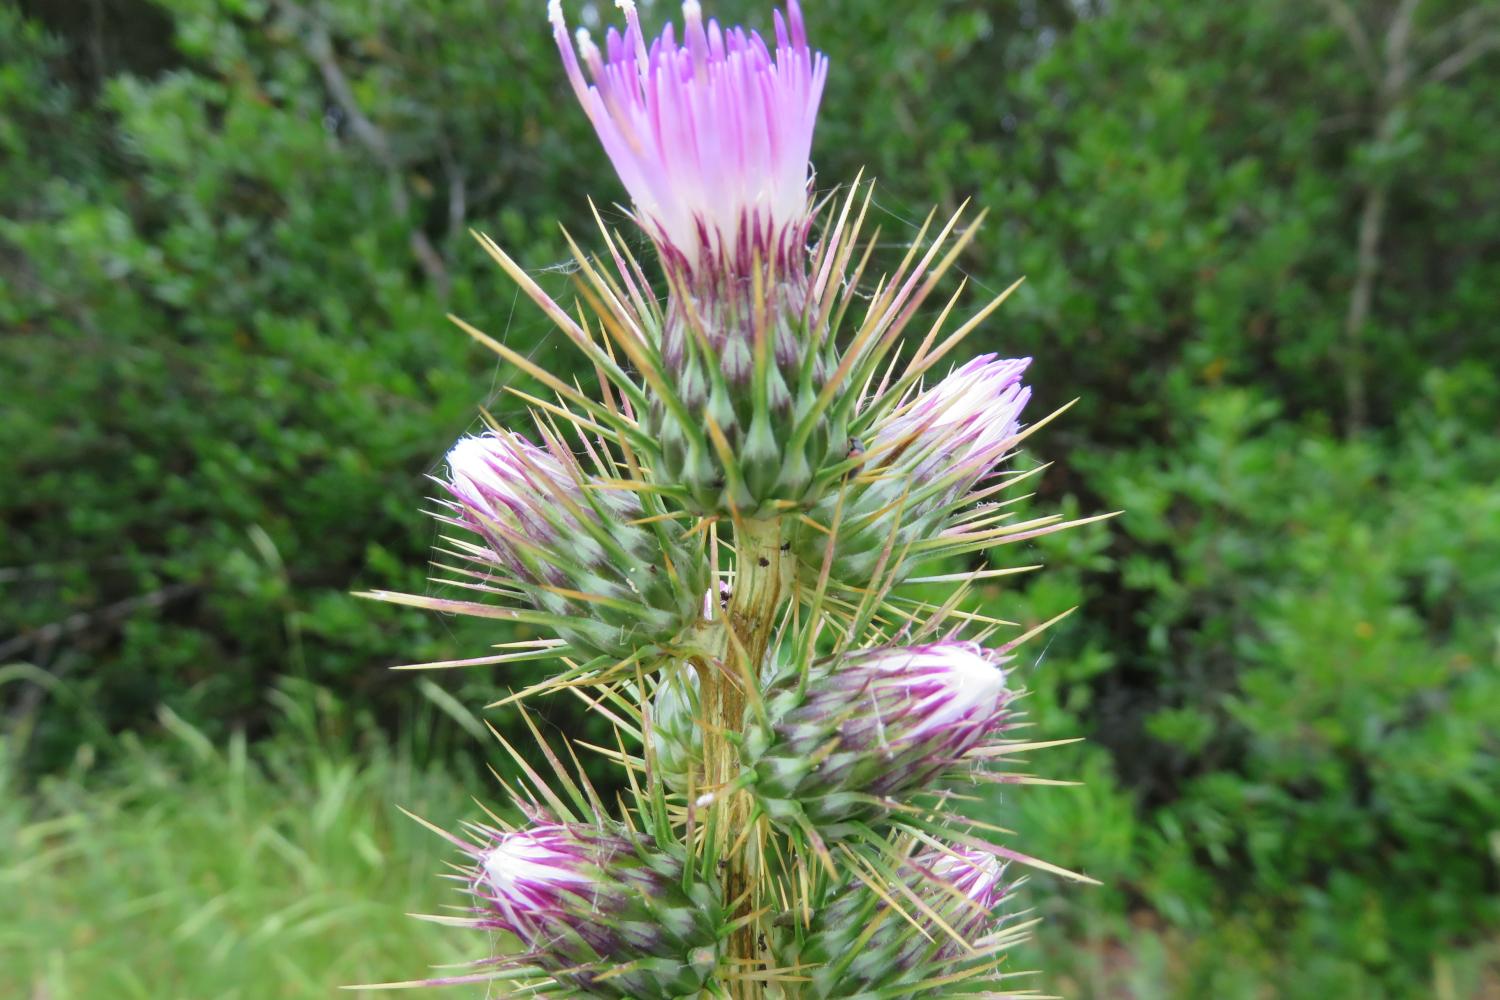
[{"x": 976, "y": 676}]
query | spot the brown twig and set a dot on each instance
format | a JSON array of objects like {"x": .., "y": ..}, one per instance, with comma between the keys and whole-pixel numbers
[
  {"x": 109, "y": 615},
  {"x": 319, "y": 48},
  {"x": 1394, "y": 75}
]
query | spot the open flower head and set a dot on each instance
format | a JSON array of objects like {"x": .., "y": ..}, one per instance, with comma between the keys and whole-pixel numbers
[
  {"x": 711, "y": 136},
  {"x": 711, "y": 132}
]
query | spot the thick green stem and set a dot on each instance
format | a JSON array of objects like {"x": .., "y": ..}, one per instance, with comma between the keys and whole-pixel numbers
[
  {"x": 759, "y": 583},
  {"x": 755, "y": 600}
]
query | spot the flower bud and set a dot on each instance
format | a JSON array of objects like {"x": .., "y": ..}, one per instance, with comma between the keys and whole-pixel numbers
[
  {"x": 570, "y": 547},
  {"x": 960, "y": 887},
  {"x": 871, "y": 726},
  {"x": 604, "y": 911},
  {"x": 676, "y": 732},
  {"x": 925, "y": 457}
]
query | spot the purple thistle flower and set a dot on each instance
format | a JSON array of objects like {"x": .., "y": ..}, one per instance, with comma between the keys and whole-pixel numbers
[
  {"x": 710, "y": 137},
  {"x": 881, "y": 724},
  {"x": 605, "y": 911}
]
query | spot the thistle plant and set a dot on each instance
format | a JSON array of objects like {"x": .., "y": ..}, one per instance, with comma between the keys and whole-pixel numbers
[{"x": 720, "y": 546}]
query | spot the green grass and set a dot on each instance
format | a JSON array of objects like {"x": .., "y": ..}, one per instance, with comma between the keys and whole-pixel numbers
[
  {"x": 185, "y": 870},
  {"x": 280, "y": 869}
]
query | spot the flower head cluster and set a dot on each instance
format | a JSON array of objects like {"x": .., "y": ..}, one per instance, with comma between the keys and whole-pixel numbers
[
  {"x": 873, "y": 726},
  {"x": 603, "y": 910},
  {"x": 711, "y": 137},
  {"x": 780, "y": 826}
]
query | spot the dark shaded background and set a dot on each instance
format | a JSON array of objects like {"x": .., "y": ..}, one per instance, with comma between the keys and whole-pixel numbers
[{"x": 1262, "y": 244}]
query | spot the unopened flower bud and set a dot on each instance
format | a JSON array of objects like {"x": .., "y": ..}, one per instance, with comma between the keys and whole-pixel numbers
[
  {"x": 605, "y": 911},
  {"x": 872, "y": 726},
  {"x": 570, "y": 546},
  {"x": 924, "y": 458},
  {"x": 960, "y": 891},
  {"x": 676, "y": 731}
]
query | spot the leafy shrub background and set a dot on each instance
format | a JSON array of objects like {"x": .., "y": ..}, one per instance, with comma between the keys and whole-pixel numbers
[{"x": 229, "y": 230}]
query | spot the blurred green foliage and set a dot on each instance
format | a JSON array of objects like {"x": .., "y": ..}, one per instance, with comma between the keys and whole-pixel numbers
[
  {"x": 229, "y": 230},
  {"x": 235, "y": 871}
]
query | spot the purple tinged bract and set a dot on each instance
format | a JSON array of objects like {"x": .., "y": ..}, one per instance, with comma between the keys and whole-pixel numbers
[
  {"x": 949, "y": 692},
  {"x": 522, "y": 500},
  {"x": 503, "y": 486},
  {"x": 527, "y": 873},
  {"x": 922, "y": 460},
  {"x": 977, "y": 875},
  {"x": 860, "y": 946}
]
